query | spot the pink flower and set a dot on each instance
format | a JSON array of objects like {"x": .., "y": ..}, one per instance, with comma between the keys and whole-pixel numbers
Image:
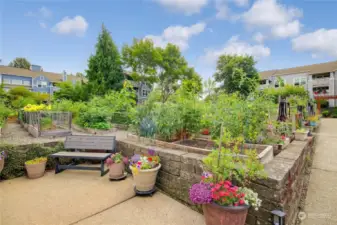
[
  {"x": 109, "y": 161},
  {"x": 228, "y": 182},
  {"x": 241, "y": 202}
]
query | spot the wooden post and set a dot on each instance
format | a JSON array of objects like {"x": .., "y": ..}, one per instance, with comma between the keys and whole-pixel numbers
[
  {"x": 318, "y": 106},
  {"x": 70, "y": 116},
  {"x": 39, "y": 123}
]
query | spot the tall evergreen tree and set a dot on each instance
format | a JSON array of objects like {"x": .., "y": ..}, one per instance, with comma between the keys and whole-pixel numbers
[
  {"x": 20, "y": 62},
  {"x": 105, "y": 66}
]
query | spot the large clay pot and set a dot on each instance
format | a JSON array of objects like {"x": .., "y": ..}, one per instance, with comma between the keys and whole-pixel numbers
[
  {"x": 116, "y": 170},
  {"x": 36, "y": 170},
  {"x": 2, "y": 164},
  {"x": 220, "y": 215},
  {"x": 145, "y": 180}
]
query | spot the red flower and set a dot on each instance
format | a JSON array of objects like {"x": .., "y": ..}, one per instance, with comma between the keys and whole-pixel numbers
[
  {"x": 236, "y": 204},
  {"x": 150, "y": 159},
  {"x": 211, "y": 184},
  {"x": 241, "y": 202},
  {"x": 217, "y": 186},
  {"x": 226, "y": 186},
  {"x": 228, "y": 182}
]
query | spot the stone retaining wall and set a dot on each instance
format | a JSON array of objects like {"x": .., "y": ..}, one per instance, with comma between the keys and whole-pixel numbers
[{"x": 281, "y": 190}]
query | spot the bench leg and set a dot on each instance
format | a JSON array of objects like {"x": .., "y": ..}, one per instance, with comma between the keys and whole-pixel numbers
[
  {"x": 57, "y": 170},
  {"x": 102, "y": 169}
]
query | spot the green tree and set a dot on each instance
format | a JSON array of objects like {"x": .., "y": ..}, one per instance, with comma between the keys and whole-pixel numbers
[
  {"x": 77, "y": 92},
  {"x": 237, "y": 74},
  {"x": 20, "y": 62},
  {"x": 142, "y": 58},
  {"x": 105, "y": 66},
  {"x": 209, "y": 86},
  {"x": 192, "y": 82},
  {"x": 172, "y": 68}
]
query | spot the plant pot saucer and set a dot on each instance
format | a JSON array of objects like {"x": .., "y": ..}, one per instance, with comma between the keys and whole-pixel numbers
[
  {"x": 145, "y": 193},
  {"x": 119, "y": 178}
]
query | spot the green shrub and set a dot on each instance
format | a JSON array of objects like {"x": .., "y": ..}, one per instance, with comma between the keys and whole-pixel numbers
[
  {"x": 326, "y": 113},
  {"x": 17, "y": 156}
]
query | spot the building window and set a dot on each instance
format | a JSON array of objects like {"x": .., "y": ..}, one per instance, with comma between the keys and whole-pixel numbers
[
  {"x": 41, "y": 77},
  {"x": 26, "y": 82},
  {"x": 6, "y": 81},
  {"x": 42, "y": 84},
  {"x": 17, "y": 82},
  {"x": 300, "y": 81},
  {"x": 320, "y": 90},
  {"x": 144, "y": 93}
]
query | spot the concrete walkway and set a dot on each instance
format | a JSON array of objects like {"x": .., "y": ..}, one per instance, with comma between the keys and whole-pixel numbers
[
  {"x": 83, "y": 197},
  {"x": 321, "y": 201}
]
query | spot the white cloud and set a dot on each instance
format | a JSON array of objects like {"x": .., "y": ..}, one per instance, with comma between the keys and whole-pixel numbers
[
  {"x": 236, "y": 47},
  {"x": 178, "y": 35},
  {"x": 43, "y": 25},
  {"x": 280, "y": 19},
  {"x": 223, "y": 11},
  {"x": 44, "y": 12},
  {"x": 287, "y": 30},
  {"x": 241, "y": 2},
  {"x": 77, "y": 25},
  {"x": 189, "y": 7},
  {"x": 259, "y": 37},
  {"x": 319, "y": 42}
]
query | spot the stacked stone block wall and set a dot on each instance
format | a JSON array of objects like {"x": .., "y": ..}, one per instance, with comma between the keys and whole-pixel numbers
[{"x": 282, "y": 189}]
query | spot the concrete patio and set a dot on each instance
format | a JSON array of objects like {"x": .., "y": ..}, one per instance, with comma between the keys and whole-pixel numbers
[{"x": 83, "y": 197}]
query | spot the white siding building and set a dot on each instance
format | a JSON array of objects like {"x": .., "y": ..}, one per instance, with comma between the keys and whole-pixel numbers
[{"x": 318, "y": 79}]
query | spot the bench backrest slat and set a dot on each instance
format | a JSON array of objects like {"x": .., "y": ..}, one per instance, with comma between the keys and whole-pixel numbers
[{"x": 90, "y": 142}]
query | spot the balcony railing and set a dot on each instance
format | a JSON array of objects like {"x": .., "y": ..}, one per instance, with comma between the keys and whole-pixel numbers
[{"x": 321, "y": 82}]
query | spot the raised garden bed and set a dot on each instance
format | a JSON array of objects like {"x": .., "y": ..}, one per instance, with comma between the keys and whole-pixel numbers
[{"x": 204, "y": 147}]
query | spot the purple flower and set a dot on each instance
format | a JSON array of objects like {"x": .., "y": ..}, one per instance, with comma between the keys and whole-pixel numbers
[
  {"x": 3, "y": 155},
  {"x": 134, "y": 159},
  {"x": 151, "y": 152},
  {"x": 200, "y": 193}
]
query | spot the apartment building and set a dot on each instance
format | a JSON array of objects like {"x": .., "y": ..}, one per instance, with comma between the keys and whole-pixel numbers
[
  {"x": 317, "y": 79},
  {"x": 34, "y": 79}
]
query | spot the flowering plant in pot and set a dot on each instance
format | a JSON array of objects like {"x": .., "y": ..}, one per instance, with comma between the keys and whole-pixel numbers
[
  {"x": 144, "y": 170},
  {"x": 116, "y": 163},
  {"x": 36, "y": 167},
  {"x": 3, "y": 155},
  {"x": 223, "y": 191}
]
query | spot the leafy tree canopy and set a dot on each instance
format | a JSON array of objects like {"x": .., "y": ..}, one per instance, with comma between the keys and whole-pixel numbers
[
  {"x": 20, "y": 62},
  {"x": 237, "y": 74},
  {"x": 142, "y": 58}
]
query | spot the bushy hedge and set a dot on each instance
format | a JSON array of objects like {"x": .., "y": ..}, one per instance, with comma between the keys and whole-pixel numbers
[{"x": 18, "y": 155}]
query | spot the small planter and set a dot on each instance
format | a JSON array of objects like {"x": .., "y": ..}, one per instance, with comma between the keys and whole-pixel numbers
[
  {"x": 219, "y": 215},
  {"x": 116, "y": 171},
  {"x": 145, "y": 180},
  {"x": 36, "y": 170},
  {"x": 301, "y": 136},
  {"x": 2, "y": 164}
]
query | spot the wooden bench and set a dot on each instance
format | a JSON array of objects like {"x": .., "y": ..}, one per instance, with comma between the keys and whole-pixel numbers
[{"x": 84, "y": 142}]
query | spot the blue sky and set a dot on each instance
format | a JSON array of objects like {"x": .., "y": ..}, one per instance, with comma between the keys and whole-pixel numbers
[{"x": 61, "y": 34}]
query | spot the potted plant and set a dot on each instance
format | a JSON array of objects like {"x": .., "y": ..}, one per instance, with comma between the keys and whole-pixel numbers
[
  {"x": 36, "y": 167},
  {"x": 2, "y": 160},
  {"x": 222, "y": 192},
  {"x": 301, "y": 134},
  {"x": 116, "y": 163},
  {"x": 313, "y": 120},
  {"x": 144, "y": 170}
]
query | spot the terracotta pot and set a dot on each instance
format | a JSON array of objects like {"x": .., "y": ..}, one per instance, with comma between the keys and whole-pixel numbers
[
  {"x": 35, "y": 170},
  {"x": 116, "y": 170},
  {"x": 145, "y": 180},
  {"x": 2, "y": 164},
  {"x": 220, "y": 215}
]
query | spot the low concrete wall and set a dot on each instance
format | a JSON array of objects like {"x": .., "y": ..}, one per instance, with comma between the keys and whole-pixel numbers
[
  {"x": 281, "y": 190},
  {"x": 33, "y": 131}
]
